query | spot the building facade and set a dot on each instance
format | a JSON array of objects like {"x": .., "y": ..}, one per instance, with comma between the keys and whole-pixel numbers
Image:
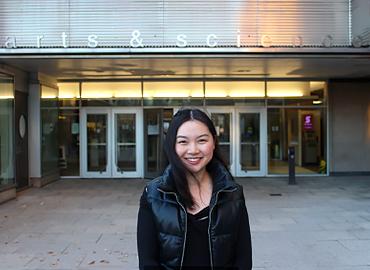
[{"x": 88, "y": 88}]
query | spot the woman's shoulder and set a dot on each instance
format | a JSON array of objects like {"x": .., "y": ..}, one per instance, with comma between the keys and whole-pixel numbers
[{"x": 153, "y": 185}]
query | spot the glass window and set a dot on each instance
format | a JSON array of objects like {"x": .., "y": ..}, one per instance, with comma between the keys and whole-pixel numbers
[
  {"x": 178, "y": 89},
  {"x": 111, "y": 93},
  {"x": 125, "y": 139},
  {"x": 235, "y": 102},
  {"x": 298, "y": 93},
  {"x": 104, "y": 90},
  {"x": 222, "y": 122},
  {"x": 235, "y": 89},
  {"x": 69, "y": 142},
  {"x": 97, "y": 141},
  {"x": 49, "y": 131},
  {"x": 69, "y": 94},
  {"x": 110, "y": 102},
  {"x": 6, "y": 131},
  {"x": 305, "y": 130}
]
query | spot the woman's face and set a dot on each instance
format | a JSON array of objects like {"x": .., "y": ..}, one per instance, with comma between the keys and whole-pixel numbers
[{"x": 194, "y": 145}]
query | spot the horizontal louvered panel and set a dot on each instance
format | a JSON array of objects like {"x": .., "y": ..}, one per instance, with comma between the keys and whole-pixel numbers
[{"x": 160, "y": 22}]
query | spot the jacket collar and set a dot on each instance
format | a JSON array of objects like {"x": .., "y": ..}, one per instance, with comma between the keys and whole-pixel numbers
[{"x": 222, "y": 179}]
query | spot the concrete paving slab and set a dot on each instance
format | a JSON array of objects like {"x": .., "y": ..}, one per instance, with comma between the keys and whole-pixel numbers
[{"x": 321, "y": 223}]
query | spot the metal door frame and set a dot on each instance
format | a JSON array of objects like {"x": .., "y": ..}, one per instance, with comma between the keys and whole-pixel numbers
[
  {"x": 139, "y": 138},
  {"x": 262, "y": 111},
  {"x": 111, "y": 169}
]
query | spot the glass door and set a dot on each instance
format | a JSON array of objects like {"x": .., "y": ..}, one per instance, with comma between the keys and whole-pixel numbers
[
  {"x": 251, "y": 142},
  {"x": 222, "y": 118},
  {"x": 127, "y": 132},
  {"x": 96, "y": 148},
  {"x": 109, "y": 142},
  {"x": 156, "y": 123}
]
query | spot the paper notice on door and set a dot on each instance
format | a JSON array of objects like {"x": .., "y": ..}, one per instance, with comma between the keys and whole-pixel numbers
[{"x": 75, "y": 128}]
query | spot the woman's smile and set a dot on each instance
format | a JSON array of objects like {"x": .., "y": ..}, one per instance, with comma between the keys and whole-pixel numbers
[{"x": 194, "y": 145}]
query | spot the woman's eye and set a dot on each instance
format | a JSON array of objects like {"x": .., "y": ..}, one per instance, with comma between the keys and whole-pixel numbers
[
  {"x": 181, "y": 142},
  {"x": 202, "y": 141}
]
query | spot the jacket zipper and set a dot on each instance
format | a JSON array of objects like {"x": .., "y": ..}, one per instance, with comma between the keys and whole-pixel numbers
[
  {"x": 186, "y": 225},
  {"x": 209, "y": 224}
]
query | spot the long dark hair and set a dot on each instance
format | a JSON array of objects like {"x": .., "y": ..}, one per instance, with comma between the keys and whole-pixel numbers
[{"x": 178, "y": 170}]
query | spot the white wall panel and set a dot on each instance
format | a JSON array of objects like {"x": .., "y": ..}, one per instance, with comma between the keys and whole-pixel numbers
[{"x": 160, "y": 22}]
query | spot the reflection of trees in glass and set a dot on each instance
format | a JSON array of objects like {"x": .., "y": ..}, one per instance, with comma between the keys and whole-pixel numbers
[
  {"x": 222, "y": 125},
  {"x": 249, "y": 127},
  {"x": 96, "y": 128},
  {"x": 126, "y": 132}
]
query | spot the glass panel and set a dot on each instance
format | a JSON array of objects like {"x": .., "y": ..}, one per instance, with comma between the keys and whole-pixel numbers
[
  {"x": 222, "y": 125},
  {"x": 97, "y": 142},
  {"x": 6, "y": 131},
  {"x": 125, "y": 142},
  {"x": 176, "y": 89},
  {"x": 234, "y": 102},
  {"x": 110, "y": 102},
  {"x": 69, "y": 90},
  {"x": 299, "y": 93},
  {"x": 250, "y": 141},
  {"x": 156, "y": 123},
  {"x": 173, "y": 102},
  {"x": 48, "y": 92},
  {"x": 49, "y": 131},
  {"x": 235, "y": 89},
  {"x": 69, "y": 142},
  {"x": 305, "y": 130},
  {"x": 111, "y": 90},
  {"x": 153, "y": 143}
]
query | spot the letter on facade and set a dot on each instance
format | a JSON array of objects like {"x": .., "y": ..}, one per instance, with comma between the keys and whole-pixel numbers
[
  {"x": 181, "y": 41},
  {"x": 92, "y": 41}
]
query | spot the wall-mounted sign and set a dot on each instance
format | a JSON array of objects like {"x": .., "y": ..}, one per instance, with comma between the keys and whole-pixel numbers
[
  {"x": 307, "y": 122},
  {"x": 181, "y": 41}
]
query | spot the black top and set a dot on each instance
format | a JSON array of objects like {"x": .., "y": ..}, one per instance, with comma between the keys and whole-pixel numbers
[{"x": 197, "y": 245}]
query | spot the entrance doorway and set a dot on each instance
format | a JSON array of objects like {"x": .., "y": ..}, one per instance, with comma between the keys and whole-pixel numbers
[
  {"x": 110, "y": 142},
  {"x": 242, "y": 137},
  {"x": 250, "y": 142},
  {"x": 156, "y": 123}
]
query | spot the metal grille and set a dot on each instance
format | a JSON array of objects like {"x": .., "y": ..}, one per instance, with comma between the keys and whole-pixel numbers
[{"x": 278, "y": 23}]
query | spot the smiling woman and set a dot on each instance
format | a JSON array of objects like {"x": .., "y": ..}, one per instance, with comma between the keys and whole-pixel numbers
[{"x": 181, "y": 223}]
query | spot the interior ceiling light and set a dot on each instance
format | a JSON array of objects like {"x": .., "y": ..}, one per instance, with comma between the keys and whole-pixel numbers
[
  {"x": 317, "y": 102},
  {"x": 6, "y": 97}
]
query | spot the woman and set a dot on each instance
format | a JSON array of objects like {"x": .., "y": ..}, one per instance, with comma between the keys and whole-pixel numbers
[{"x": 194, "y": 215}]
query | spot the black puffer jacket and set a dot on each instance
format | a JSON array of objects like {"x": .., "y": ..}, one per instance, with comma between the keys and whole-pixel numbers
[{"x": 227, "y": 207}]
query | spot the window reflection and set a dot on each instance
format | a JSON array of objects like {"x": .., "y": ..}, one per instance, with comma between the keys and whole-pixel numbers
[{"x": 6, "y": 130}]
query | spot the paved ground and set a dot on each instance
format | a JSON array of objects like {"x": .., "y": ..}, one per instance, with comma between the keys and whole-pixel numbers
[{"x": 322, "y": 223}]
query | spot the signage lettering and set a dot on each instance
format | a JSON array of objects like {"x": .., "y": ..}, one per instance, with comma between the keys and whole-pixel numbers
[
  {"x": 136, "y": 41},
  {"x": 92, "y": 41},
  {"x": 181, "y": 41},
  {"x": 211, "y": 41},
  {"x": 64, "y": 40},
  {"x": 39, "y": 38},
  {"x": 10, "y": 42}
]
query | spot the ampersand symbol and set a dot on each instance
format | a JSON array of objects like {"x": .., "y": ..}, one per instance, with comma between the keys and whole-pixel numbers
[{"x": 135, "y": 40}]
